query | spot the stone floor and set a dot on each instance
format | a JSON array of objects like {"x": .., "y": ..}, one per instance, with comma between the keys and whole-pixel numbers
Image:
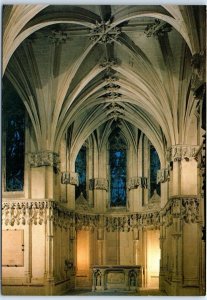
[{"x": 145, "y": 292}]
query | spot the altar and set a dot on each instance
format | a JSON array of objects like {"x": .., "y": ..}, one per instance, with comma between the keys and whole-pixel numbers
[{"x": 125, "y": 278}]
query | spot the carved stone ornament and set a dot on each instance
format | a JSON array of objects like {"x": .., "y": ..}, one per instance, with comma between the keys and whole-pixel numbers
[
  {"x": 70, "y": 178},
  {"x": 180, "y": 152},
  {"x": 112, "y": 95},
  {"x": 25, "y": 212},
  {"x": 98, "y": 184},
  {"x": 163, "y": 175},
  {"x": 130, "y": 222},
  {"x": 198, "y": 70},
  {"x": 104, "y": 33},
  {"x": 58, "y": 37},
  {"x": 108, "y": 63},
  {"x": 185, "y": 208},
  {"x": 81, "y": 203},
  {"x": 43, "y": 158},
  {"x": 86, "y": 221},
  {"x": 135, "y": 182},
  {"x": 115, "y": 114},
  {"x": 111, "y": 87},
  {"x": 111, "y": 79},
  {"x": 158, "y": 29},
  {"x": 40, "y": 212}
]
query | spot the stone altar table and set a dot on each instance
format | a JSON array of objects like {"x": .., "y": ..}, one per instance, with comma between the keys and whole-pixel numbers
[{"x": 125, "y": 278}]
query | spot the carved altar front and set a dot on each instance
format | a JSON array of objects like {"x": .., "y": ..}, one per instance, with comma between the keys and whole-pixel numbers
[{"x": 127, "y": 278}]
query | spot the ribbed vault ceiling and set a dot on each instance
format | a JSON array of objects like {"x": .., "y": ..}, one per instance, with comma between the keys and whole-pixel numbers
[{"x": 89, "y": 65}]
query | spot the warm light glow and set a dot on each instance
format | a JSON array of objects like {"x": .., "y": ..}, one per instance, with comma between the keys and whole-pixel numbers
[
  {"x": 82, "y": 251},
  {"x": 153, "y": 258}
]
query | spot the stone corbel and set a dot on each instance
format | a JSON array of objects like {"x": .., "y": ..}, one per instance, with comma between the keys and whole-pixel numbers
[
  {"x": 180, "y": 152},
  {"x": 98, "y": 184},
  {"x": 44, "y": 158},
  {"x": 135, "y": 182},
  {"x": 163, "y": 175},
  {"x": 70, "y": 178}
]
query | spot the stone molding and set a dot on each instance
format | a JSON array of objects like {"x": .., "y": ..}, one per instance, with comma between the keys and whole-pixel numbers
[
  {"x": 135, "y": 182},
  {"x": 180, "y": 152},
  {"x": 183, "y": 207},
  {"x": 70, "y": 178},
  {"x": 44, "y": 158},
  {"x": 98, "y": 184},
  {"x": 163, "y": 175}
]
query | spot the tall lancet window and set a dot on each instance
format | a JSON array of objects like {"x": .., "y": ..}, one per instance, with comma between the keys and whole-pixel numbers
[
  {"x": 118, "y": 169},
  {"x": 154, "y": 167},
  {"x": 15, "y": 145},
  {"x": 80, "y": 168}
]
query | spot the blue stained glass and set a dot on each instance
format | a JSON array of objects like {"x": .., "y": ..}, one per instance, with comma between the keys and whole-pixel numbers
[
  {"x": 80, "y": 168},
  {"x": 154, "y": 167},
  {"x": 118, "y": 177},
  {"x": 15, "y": 142}
]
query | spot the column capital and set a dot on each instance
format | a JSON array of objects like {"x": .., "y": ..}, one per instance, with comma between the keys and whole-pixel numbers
[
  {"x": 44, "y": 158},
  {"x": 135, "y": 182},
  {"x": 163, "y": 175},
  {"x": 98, "y": 184},
  {"x": 70, "y": 178}
]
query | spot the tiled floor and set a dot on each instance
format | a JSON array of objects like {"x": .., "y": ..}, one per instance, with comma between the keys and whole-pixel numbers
[{"x": 116, "y": 293}]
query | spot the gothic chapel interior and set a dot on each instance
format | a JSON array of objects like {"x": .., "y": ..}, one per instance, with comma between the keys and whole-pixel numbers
[{"x": 103, "y": 149}]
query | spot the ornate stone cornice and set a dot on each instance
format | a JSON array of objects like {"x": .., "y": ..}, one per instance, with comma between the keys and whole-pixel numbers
[
  {"x": 98, "y": 184},
  {"x": 163, "y": 175},
  {"x": 43, "y": 158},
  {"x": 70, "y": 178},
  {"x": 133, "y": 221},
  {"x": 158, "y": 29},
  {"x": 24, "y": 212},
  {"x": 86, "y": 221},
  {"x": 180, "y": 152},
  {"x": 184, "y": 207},
  {"x": 135, "y": 182},
  {"x": 104, "y": 33}
]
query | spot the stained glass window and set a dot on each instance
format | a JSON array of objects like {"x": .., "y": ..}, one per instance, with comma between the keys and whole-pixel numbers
[
  {"x": 117, "y": 159},
  {"x": 80, "y": 168},
  {"x": 154, "y": 167},
  {"x": 15, "y": 143}
]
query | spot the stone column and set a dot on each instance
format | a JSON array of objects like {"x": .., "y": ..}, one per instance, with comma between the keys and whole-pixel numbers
[
  {"x": 28, "y": 253},
  {"x": 183, "y": 175},
  {"x": 162, "y": 265}
]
